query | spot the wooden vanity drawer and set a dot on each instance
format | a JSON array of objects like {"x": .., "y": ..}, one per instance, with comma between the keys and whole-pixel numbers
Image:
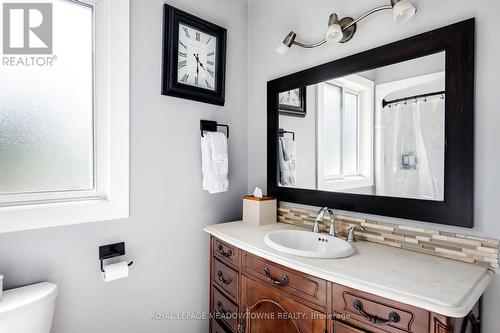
[
  {"x": 224, "y": 310},
  {"x": 226, "y": 278},
  {"x": 339, "y": 327},
  {"x": 367, "y": 311},
  {"x": 215, "y": 327},
  {"x": 306, "y": 287},
  {"x": 226, "y": 253}
]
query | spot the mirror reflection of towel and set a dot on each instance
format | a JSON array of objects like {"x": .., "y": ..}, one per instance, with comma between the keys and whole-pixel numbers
[
  {"x": 287, "y": 159},
  {"x": 289, "y": 149}
]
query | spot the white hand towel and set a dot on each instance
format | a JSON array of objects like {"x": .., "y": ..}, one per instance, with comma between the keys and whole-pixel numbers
[
  {"x": 218, "y": 144},
  {"x": 214, "y": 171},
  {"x": 287, "y": 168}
]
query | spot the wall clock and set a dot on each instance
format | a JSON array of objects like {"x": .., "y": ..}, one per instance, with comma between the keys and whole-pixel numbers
[
  {"x": 293, "y": 102},
  {"x": 194, "y": 57}
]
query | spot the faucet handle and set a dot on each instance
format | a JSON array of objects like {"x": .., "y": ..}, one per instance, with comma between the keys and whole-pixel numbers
[{"x": 351, "y": 238}]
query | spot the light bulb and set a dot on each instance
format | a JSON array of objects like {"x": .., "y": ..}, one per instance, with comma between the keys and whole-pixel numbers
[
  {"x": 403, "y": 11},
  {"x": 282, "y": 49},
  {"x": 334, "y": 33}
]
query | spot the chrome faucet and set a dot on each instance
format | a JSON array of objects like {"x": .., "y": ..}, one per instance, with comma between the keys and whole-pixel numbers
[{"x": 319, "y": 218}]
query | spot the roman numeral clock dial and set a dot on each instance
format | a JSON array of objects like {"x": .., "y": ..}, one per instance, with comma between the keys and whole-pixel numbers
[{"x": 196, "y": 61}]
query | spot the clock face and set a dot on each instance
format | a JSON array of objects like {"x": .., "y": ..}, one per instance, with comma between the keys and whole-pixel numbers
[
  {"x": 291, "y": 97},
  {"x": 196, "y": 64}
]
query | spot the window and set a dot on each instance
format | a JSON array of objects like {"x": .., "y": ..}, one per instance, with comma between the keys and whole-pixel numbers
[
  {"x": 340, "y": 128},
  {"x": 47, "y": 114},
  {"x": 64, "y": 118},
  {"x": 350, "y": 154},
  {"x": 345, "y": 113}
]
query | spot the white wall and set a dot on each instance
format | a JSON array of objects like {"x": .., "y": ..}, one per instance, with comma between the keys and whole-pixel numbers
[
  {"x": 168, "y": 208},
  {"x": 270, "y": 21},
  {"x": 403, "y": 70}
]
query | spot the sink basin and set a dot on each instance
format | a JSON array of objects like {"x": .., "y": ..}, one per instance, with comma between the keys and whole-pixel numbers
[{"x": 308, "y": 244}]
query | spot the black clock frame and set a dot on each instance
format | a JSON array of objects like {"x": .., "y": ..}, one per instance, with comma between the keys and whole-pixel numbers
[{"x": 170, "y": 86}]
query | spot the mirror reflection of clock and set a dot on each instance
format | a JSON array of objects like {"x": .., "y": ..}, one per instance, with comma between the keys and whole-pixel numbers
[
  {"x": 291, "y": 97},
  {"x": 197, "y": 58}
]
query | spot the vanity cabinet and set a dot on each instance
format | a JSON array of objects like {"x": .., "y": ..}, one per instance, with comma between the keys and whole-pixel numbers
[
  {"x": 267, "y": 310},
  {"x": 365, "y": 310},
  {"x": 304, "y": 288},
  {"x": 250, "y": 294},
  {"x": 339, "y": 327}
]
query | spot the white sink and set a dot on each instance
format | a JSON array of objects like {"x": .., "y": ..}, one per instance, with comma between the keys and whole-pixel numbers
[{"x": 308, "y": 244}]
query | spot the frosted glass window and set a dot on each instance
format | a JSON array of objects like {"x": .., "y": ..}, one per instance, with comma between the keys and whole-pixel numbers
[
  {"x": 47, "y": 112},
  {"x": 350, "y": 134},
  {"x": 332, "y": 147}
]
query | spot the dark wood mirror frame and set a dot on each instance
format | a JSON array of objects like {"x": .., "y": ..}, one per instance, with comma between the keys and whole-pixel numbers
[{"x": 457, "y": 209}]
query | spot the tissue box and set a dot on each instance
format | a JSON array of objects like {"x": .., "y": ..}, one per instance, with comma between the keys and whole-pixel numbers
[{"x": 259, "y": 211}]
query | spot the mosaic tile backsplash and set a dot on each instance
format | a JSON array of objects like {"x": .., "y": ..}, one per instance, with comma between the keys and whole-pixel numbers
[{"x": 471, "y": 249}]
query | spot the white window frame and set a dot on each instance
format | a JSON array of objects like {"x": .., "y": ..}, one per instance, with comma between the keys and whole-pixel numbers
[
  {"x": 110, "y": 198},
  {"x": 364, "y": 88}
]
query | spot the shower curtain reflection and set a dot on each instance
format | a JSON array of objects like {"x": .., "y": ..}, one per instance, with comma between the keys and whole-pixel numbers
[{"x": 413, "y": 149}]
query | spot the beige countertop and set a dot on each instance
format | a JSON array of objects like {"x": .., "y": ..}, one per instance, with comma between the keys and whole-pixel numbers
[{"x": 440, "y": 285}]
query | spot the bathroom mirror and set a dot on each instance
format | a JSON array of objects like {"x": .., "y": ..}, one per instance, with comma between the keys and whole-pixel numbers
[
  {"x": 388, "y": 131},
  {"x": 377, "y": 132}
]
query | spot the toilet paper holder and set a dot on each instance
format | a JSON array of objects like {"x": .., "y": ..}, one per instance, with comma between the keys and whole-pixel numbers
[{"x": 111, "y": 251}]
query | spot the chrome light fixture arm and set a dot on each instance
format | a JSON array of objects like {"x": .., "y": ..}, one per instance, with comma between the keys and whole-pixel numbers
[
  {"x": 310, "y": 46},
  {"x": 344, "y": 27},
  {"x": 365, "y": 15}
]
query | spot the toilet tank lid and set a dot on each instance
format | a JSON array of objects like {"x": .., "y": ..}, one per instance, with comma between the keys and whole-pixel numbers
[{"x": 23, "y": 297}]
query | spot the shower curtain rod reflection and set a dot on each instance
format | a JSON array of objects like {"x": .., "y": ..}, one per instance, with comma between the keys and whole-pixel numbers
[{"x": 409, "y": 98}]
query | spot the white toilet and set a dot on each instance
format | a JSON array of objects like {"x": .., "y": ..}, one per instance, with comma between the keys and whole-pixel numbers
[{"x": 28, "y": 309}]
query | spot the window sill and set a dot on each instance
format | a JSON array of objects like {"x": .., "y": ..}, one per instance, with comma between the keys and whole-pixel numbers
[
  {"x": 44, "y": 215},
  {"x": 347, "y": 183}
]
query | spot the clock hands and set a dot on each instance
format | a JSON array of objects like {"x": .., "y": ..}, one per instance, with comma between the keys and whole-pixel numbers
[
  {"x": 208, "y": 70},
  {"x": 198, "y": 65},
  {"x": 198, "y": 61}
]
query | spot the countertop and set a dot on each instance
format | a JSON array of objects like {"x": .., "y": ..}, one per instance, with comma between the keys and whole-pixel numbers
[{"x": 439, "y": 285}]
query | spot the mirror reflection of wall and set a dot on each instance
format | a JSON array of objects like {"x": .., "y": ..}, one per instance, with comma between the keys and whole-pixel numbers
[{"x": 378, "y": 132}]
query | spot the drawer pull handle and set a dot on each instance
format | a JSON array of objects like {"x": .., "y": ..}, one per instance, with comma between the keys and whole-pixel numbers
[
  {"x": 222, "y": 279},
  {"x": 221, "y": 310},
  {"x": 393, "y": 316},
  {"x": 280, "y": 282},
  {"x": 227, "y": 254}
]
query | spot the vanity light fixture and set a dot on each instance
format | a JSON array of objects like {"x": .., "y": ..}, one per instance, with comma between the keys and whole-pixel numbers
[
  {"x": 289, "y": 40},
  {"x": 334, "y": 32},
  {"x": 344, "y": 29}
]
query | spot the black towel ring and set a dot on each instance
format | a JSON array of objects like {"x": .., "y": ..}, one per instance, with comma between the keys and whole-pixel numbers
[{"x": 211, "y": 126}]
